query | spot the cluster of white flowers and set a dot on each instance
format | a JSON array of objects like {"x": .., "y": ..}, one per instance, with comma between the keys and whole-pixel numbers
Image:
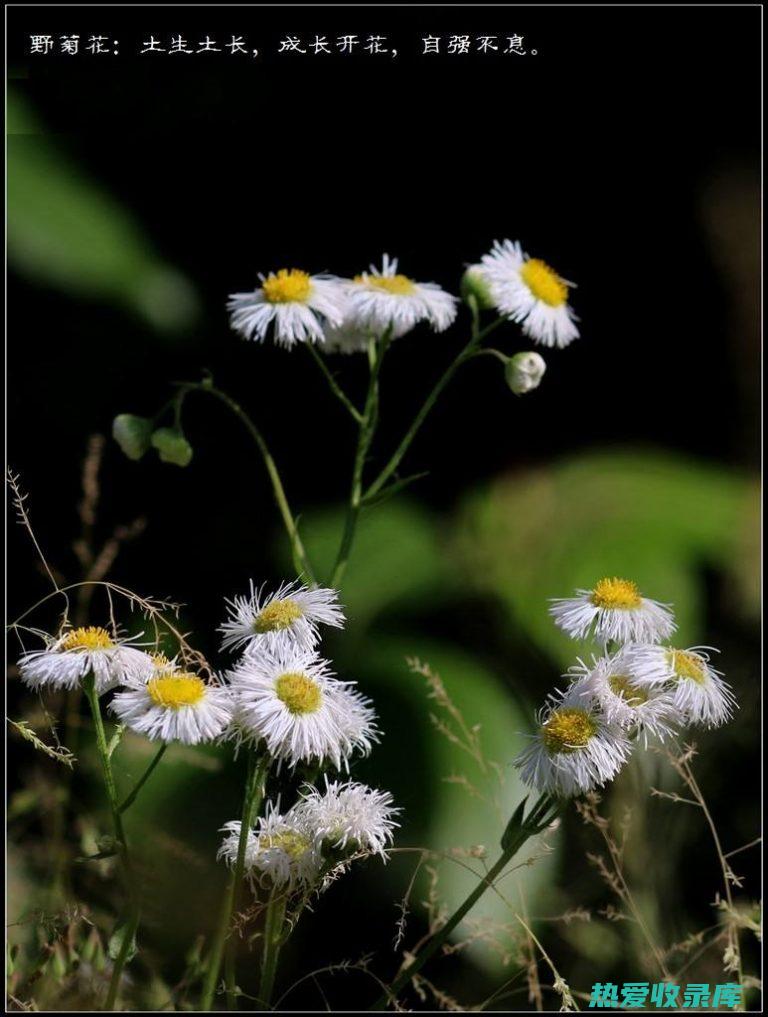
[
  {"x": 316, "y": 838},
  {"x": 288, "y": 703},
  {"x": 344, "y": 315},
  {"x": 639, "y": 688},
  {"x": 280, "y": 698},
  {"x": 285, "y": 695},
  {"x": 156, "y": 696}
]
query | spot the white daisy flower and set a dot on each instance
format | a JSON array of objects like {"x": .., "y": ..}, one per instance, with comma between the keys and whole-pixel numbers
[
  {"x": 280, "y": 851},
  {"x": 349, "y": 817},
  {"x": 625, "y": 698},
  {"x": 175, "y": 707},
  {"x": 292, "y": 701},
  {"x": 356, "y": 719},
  {"x": 163, "y": 664},
  {"x": 575, "y": 749},
  {"x": 698, "y": 690},
  {"x": 528, "y": 291},
  {"x": 276, "y": 621},
  {"x": 613, "y": 611},
  {"x": 297, "y": 305},
  {"x": 382, "y": 300},
  {"x": 74, "y": 653}
]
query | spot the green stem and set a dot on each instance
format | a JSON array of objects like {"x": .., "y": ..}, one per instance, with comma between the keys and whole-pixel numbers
[
  {"x": 532, "y": 825},
  {"x": 252, "y": 797},
  {"x": 131, "y": 923},
  {"x": 366, "y": 431},
  {"x": 301, "y": 561},
  {"x": 273, "y": 940},
  {"x": 131, "y": 798},
  {"x": 465, "y": 354},
  {"x": 337, "y": 390}
]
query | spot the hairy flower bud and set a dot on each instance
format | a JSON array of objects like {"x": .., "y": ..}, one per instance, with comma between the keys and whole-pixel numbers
[
  {"x": 474, "y": 283},
  {"x": 524, "y": 372}
]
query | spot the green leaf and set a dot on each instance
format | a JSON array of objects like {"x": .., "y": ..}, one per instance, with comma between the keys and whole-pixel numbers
[
  {"x": 396, "y": 558},
  {"x": 463, "y": 804},
  {"x": 64, "y": 231},
  {"x": 116, "y": 943},
  {"x": 651, "y": 517},
  {"x": 133, "y": 434},
  {"x": 172, "y": 446}
]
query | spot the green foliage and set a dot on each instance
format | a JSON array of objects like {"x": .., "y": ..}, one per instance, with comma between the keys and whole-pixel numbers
[
  {"x": 648, "y": 516},
  {"x": 133, "y": 434},
  {"x": 116, "y": 940},
  {"x": 64, "y": 232},
  {"x": 172, "y": 446},
  {"x": 455, "y": 799}
]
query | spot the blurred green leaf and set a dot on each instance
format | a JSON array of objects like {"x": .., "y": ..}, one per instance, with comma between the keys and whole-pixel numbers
[
  {"x": 116, "y": 940},
  {"x": 648, "y": 516},
  {"x": 468, "y": 804},
  {"x": 133, "y": 434},
  {"x": 172, "y": 446},
  {"x": 396, "y": 559},
  {"x": 63, "y": 231}
]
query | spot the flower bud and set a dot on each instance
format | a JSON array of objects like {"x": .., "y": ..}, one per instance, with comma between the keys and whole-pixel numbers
[
  {"x": 132, "y": 434},
  {"x": 524, "y": 372},
  {"x": 474, "y": 283},
  {"x": 172, "y": 446}
]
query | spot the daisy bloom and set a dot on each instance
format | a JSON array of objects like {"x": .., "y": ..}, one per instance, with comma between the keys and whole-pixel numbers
[
  {"x": 384, "y": 300},
  {"x": 575, "y": 748},
  {"x": 163, "y": 664},
  {"x": 349, "y": 817},
  {"x": 304, "y": 714},
  {"x": 295, "y": 304},
  {"x": 698, "y": 690},
  {"x": 175, "y": 706},
  {"x": 276, "y": 621},
  {"x": 613, "y": 611},
  {"x": 77, "y": 652},
  {"x": 625, "y": 698},
  {"x": 528, "y": 291},
  {"x": 279, "y": 851}
]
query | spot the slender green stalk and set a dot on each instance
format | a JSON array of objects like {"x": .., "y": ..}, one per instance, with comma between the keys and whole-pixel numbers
[
  {"x": 301, "y": 561},
  {"x": 465, "y": 354},
  {"x": 252, "y": 797},
  {"x": 539, "y": 817},
  {"x": 131, "y": 923},
  {"x": 131, "y": 798},
  {"x": 273, "y": 940},
  {"x": 366, "y": 431},
  {"x": 337, "y": 390}
]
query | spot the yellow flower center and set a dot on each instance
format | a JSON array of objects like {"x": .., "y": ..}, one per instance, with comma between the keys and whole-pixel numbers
[
  {"x": 161, "y": 662},
  {"x": 287, "y": 285},
  {"x": 687, "y": 665},
  {"x": 176, "y": 690},
  {"x": 299, "y": 692},
  {"x": 399, "y": 285},
  {"x": 544, "y": 283},
  {"x": 90, "y": 638},
  {"x": 632, "y": 694},
  {"x": 616, "y": 593},
  {"x": 278, "y": 615},
  {"x": 295, "y": 845},
  {"x": 568, "y": 729}
]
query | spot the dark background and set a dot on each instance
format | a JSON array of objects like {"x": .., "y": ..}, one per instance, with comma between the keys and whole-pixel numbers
[{"x": 625, "y": 153}]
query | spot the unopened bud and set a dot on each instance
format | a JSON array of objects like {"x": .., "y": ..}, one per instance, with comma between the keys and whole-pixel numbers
[
  {"x": 524, "y": 372},
  {"x": 474, "y": 283}
]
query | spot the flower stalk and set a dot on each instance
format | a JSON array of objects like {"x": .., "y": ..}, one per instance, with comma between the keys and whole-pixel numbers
[
  {"x": 131, "y": 923},
  {"x": 519, "y": 829},
  {"x": 258, "y": 767}
]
